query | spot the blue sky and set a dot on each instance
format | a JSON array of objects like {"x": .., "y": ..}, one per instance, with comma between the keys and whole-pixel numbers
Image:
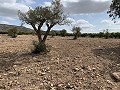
[{"x": 90, "y": 15}]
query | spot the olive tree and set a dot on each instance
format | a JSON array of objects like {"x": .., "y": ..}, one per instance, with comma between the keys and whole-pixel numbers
[
  {"x": 48, "y": 15},
  {"x": 76, "y": 32},
  {"x": 114, "y": 10}
]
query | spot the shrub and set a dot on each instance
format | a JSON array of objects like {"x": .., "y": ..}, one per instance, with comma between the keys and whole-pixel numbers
[
  {"x": 107, "y": 34},
  {"x": 13, "y": 32},
  {"x": 2, "y": 32},
  {"x": 100, "y": 34},
  {"x": 76, "y": 32},
  {"x": 63, "y": 33},
  {"x": 38, "y": 47},
  {"x": 53, "y": 33},
  {"x": 84, "y": 35}
]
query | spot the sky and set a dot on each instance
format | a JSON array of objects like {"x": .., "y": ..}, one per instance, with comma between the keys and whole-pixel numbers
[{"x": 90, "y": 15}]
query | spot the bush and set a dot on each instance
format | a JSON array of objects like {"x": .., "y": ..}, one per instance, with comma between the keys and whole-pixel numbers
[
  {"x": 13, "y": 32},
  {"x": 2, "y": 32},
  {"x": 38, "y": 47},
  {"x": 107, "y": 34},
  {"x": 76, "y": 32},
  {"x": 100, "y": 35},
  {"x": 63, "y": 33},
  {"x": 53, "y": 33},
  {"x": 84, "y": 35}
]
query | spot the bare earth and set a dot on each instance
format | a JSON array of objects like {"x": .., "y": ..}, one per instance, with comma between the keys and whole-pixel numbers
[{"x": 83, "y": 64}]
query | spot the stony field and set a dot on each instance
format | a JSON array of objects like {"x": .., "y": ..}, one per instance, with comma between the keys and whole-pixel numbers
[{"x": 82, "y": 64}]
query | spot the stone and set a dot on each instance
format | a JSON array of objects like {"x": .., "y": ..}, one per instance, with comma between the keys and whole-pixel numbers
[
  {"x": 75, "y": 69},
  {"x": 69, "y": 86},
  {"x": 116, "y": 76},
  {"x": 109, "y": 82}
]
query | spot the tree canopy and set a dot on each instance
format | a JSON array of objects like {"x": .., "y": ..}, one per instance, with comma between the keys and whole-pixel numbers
[
  {"x": 114, "y": 10},
  {"x": 48, "y": 15},
  {"x": 76, "y": 31}
]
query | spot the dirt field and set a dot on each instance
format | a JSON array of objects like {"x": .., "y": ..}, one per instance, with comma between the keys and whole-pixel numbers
[{"x": 83, "y": 64}]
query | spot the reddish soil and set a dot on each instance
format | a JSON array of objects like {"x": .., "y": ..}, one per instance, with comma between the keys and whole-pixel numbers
[{"x": 82, "y": 64}]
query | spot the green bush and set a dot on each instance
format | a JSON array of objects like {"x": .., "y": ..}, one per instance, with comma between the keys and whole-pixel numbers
[
  {"x": 2, "y": 32},
  {"x": 76, "y": 32},
  {"x": 53, "y": 33},
  {"x": 38, "y": 47},
  {"x": 13, "y": 32},
  {"x": 84, "y": 35},
  {"x": 63, "y": 33},
  {"x": 107, "y": 34}
]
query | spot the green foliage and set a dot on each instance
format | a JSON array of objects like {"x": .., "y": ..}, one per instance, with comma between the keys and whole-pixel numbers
[
  {"x": 100, "y": 34},
  {"x": 13, "y": 32},
  {"x": 1, "y": 32},
  {"x": 63, "y": 33},
  {"x": 38, "y": 47},
  {"x": 107, "y": 34},
  {"x": 53, "y": 33},
  {"x": 114, "y": 10},
  {"x": 76, "y": 32},
  {"x": 115, "y": 35},
  {"x": 26, "y": 33},
  {"x": 48, "y": 15},
  {"x": 84, "y": 35}
]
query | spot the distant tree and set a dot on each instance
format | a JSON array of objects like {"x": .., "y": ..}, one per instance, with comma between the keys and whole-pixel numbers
[
  {"x": 49, "y": 15},
  {"x": 52, "y": 33},
  {"x": 63, "y": 33},
  {"x": 114, "y": 10},
  {"x": 13, "y": 32},
  {"x": 106, "y": 34},
  {"x": 100, "y": 34},
  {"x": 76, "y": 32}
]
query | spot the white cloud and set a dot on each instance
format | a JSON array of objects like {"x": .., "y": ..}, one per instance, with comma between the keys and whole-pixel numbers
[
  {"x": 4, "y": 22},
  {"x": 7, "y": 1},
  {"x": 110, "y": 22},
  {"x": 9, "y": 8},
  {"x": 47, "y": 3},
  {"x": 28, "y": 2},
  {"x": 85, "y": 6},
  {"x": 28, "y": 26},
  {"x": 82, "y": 23}
]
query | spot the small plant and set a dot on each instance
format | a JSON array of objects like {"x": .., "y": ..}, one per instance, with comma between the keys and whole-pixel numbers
[
  {"x": 13, "y": 32},
  {"x": 107, "y": 34},
  {"x": 53, "y": 33},
  {"x": 63, "y": 33},
  {"x": 76, "y": 32},
  {"x": 38, "y": 47}
]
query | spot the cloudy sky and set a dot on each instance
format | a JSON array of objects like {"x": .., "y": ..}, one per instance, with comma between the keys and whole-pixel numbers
[{"x": 90, "y": 15}]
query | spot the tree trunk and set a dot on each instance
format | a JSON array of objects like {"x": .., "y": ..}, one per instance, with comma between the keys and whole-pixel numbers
[
  {"x": 46, "y": 34},
  {"x": 38, "y": 32},
  {"x": 39, "y": 35}
]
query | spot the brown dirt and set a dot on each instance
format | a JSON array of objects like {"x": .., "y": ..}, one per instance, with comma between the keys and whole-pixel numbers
[{"x": 83, "y": 64}]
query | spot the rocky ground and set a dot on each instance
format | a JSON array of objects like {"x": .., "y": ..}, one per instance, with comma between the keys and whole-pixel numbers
[{"x": 83, "y": 64}]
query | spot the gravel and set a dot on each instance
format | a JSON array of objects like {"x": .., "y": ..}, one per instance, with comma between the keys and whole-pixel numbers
[{"x": 82, "y": 64}]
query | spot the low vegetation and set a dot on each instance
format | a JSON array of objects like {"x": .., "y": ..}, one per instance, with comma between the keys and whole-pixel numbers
[
  {"x": 13, "y": 32},
  {"x": 52, "y": 33},
  {"x": 76, "y": 32},
  {"x": 63, "y": 33},
  {"x": 38, "y": 47}
]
